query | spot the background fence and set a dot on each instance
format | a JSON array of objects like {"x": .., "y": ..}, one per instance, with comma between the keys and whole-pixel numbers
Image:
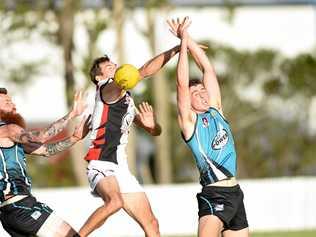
[{"x": 271, "y": 204}]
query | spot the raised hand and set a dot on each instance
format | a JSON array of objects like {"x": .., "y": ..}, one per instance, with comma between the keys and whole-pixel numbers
[
  {"x": 145, "y": 114},
  {"x": 83, "y": 128},
  {"x": 178, "y": 26},
  {"x": 79, "y": 105},
  {"x": 175, "y": 24},
  {"x": 182, "y": 29}
]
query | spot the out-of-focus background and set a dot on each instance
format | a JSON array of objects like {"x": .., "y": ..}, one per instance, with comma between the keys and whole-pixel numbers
[{"x": 264, "y": 55}]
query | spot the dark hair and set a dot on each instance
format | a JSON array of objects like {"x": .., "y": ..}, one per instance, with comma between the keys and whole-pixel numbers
[
  {"x": 3, "y": 91},
  {"x": 95, "y": 68},
  {"x": 194, "y": 82}
]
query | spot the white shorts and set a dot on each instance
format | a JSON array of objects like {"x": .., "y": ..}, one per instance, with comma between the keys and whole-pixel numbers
[{"x": 98, "y": 170}]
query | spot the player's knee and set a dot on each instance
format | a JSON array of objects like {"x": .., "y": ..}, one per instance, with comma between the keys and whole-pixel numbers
[
  {"x": 154, "y": 224},
  {"x": 115, "y": 203}
]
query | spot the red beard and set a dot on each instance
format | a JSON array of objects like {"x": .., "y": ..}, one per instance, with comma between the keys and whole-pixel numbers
[{"x": 13, "y": 118}]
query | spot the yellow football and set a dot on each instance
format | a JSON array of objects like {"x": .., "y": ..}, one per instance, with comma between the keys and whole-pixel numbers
[{"x": 127, "y": 76}]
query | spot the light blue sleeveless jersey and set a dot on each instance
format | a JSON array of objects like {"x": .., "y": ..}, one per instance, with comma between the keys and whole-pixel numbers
[
  {"x": 212, "y": 145},
  {"x": 13, "y": 176}
]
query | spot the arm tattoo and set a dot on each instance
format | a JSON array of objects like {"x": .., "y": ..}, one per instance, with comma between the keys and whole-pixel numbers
[
  {"x": 56, "y": 127},
  {"x": 42, "y": 135},
  {"x": 52, "y": 149}
]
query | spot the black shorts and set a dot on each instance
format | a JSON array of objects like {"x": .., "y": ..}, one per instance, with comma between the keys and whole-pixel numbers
[
  {"x": 226, "y": 203},
  {"x": 25, "y": 217}
]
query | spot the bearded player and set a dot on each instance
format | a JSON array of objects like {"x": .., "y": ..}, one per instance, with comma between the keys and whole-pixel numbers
[{"x": 21, "y": 214}]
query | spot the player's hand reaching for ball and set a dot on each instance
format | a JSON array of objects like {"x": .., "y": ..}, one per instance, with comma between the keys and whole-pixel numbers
[
  {"x": 145, "y": 118},
  {"x": 145, "y": 114}
]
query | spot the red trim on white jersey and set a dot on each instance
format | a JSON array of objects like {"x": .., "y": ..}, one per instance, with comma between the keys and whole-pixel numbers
[{"x": 99, "y": 118}]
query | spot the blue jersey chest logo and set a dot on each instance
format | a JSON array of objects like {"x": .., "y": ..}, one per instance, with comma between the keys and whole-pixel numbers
[{"x": 220, "y": 140}]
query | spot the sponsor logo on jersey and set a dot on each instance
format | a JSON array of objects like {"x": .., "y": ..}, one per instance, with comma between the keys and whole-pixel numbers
[
  {"x": 127, "y": 122},
  {"x": 127, "y": 99},
  {"x": 220, "y": 140}
]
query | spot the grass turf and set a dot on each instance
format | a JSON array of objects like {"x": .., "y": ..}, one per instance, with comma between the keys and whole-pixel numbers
[{"x": 307, "y": 233}]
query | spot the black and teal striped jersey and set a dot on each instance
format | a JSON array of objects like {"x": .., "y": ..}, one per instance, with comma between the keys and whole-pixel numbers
[
  {"x": 212, "y": 145},
  {"x": 13, "y": 175}
]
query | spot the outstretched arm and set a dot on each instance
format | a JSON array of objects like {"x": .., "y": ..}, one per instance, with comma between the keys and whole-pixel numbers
[
  {"x": 209, "y": 77},
  {"x": 186, "y": 117},
  {"x": 156, "y": 63},
  {"x": 145, "y": 119},
  {"x": 52, "y": 130},
  {"x": 49, "y": 149},
  {"x": 20, "y": 135}
]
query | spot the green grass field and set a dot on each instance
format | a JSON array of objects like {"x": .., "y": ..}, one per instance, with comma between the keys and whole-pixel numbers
[{"x": 309, "y": 233}]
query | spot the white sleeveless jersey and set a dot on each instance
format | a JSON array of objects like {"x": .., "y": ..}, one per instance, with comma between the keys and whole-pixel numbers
[{"x": 110, "y": 127}]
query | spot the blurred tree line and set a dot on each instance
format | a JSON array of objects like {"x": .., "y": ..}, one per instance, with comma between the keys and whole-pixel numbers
[{"x": 266, "y": 96}]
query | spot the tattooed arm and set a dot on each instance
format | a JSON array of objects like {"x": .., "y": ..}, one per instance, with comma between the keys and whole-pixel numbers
[
  {"x": 31, "y": 144},
  {"x": 58, "y": 126},
  {"x": 51, "y": 131},
  {"x": 49, "y": 149},
  {"x": 20, "y": 135},
  {"x": 37, "y": 148}
]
